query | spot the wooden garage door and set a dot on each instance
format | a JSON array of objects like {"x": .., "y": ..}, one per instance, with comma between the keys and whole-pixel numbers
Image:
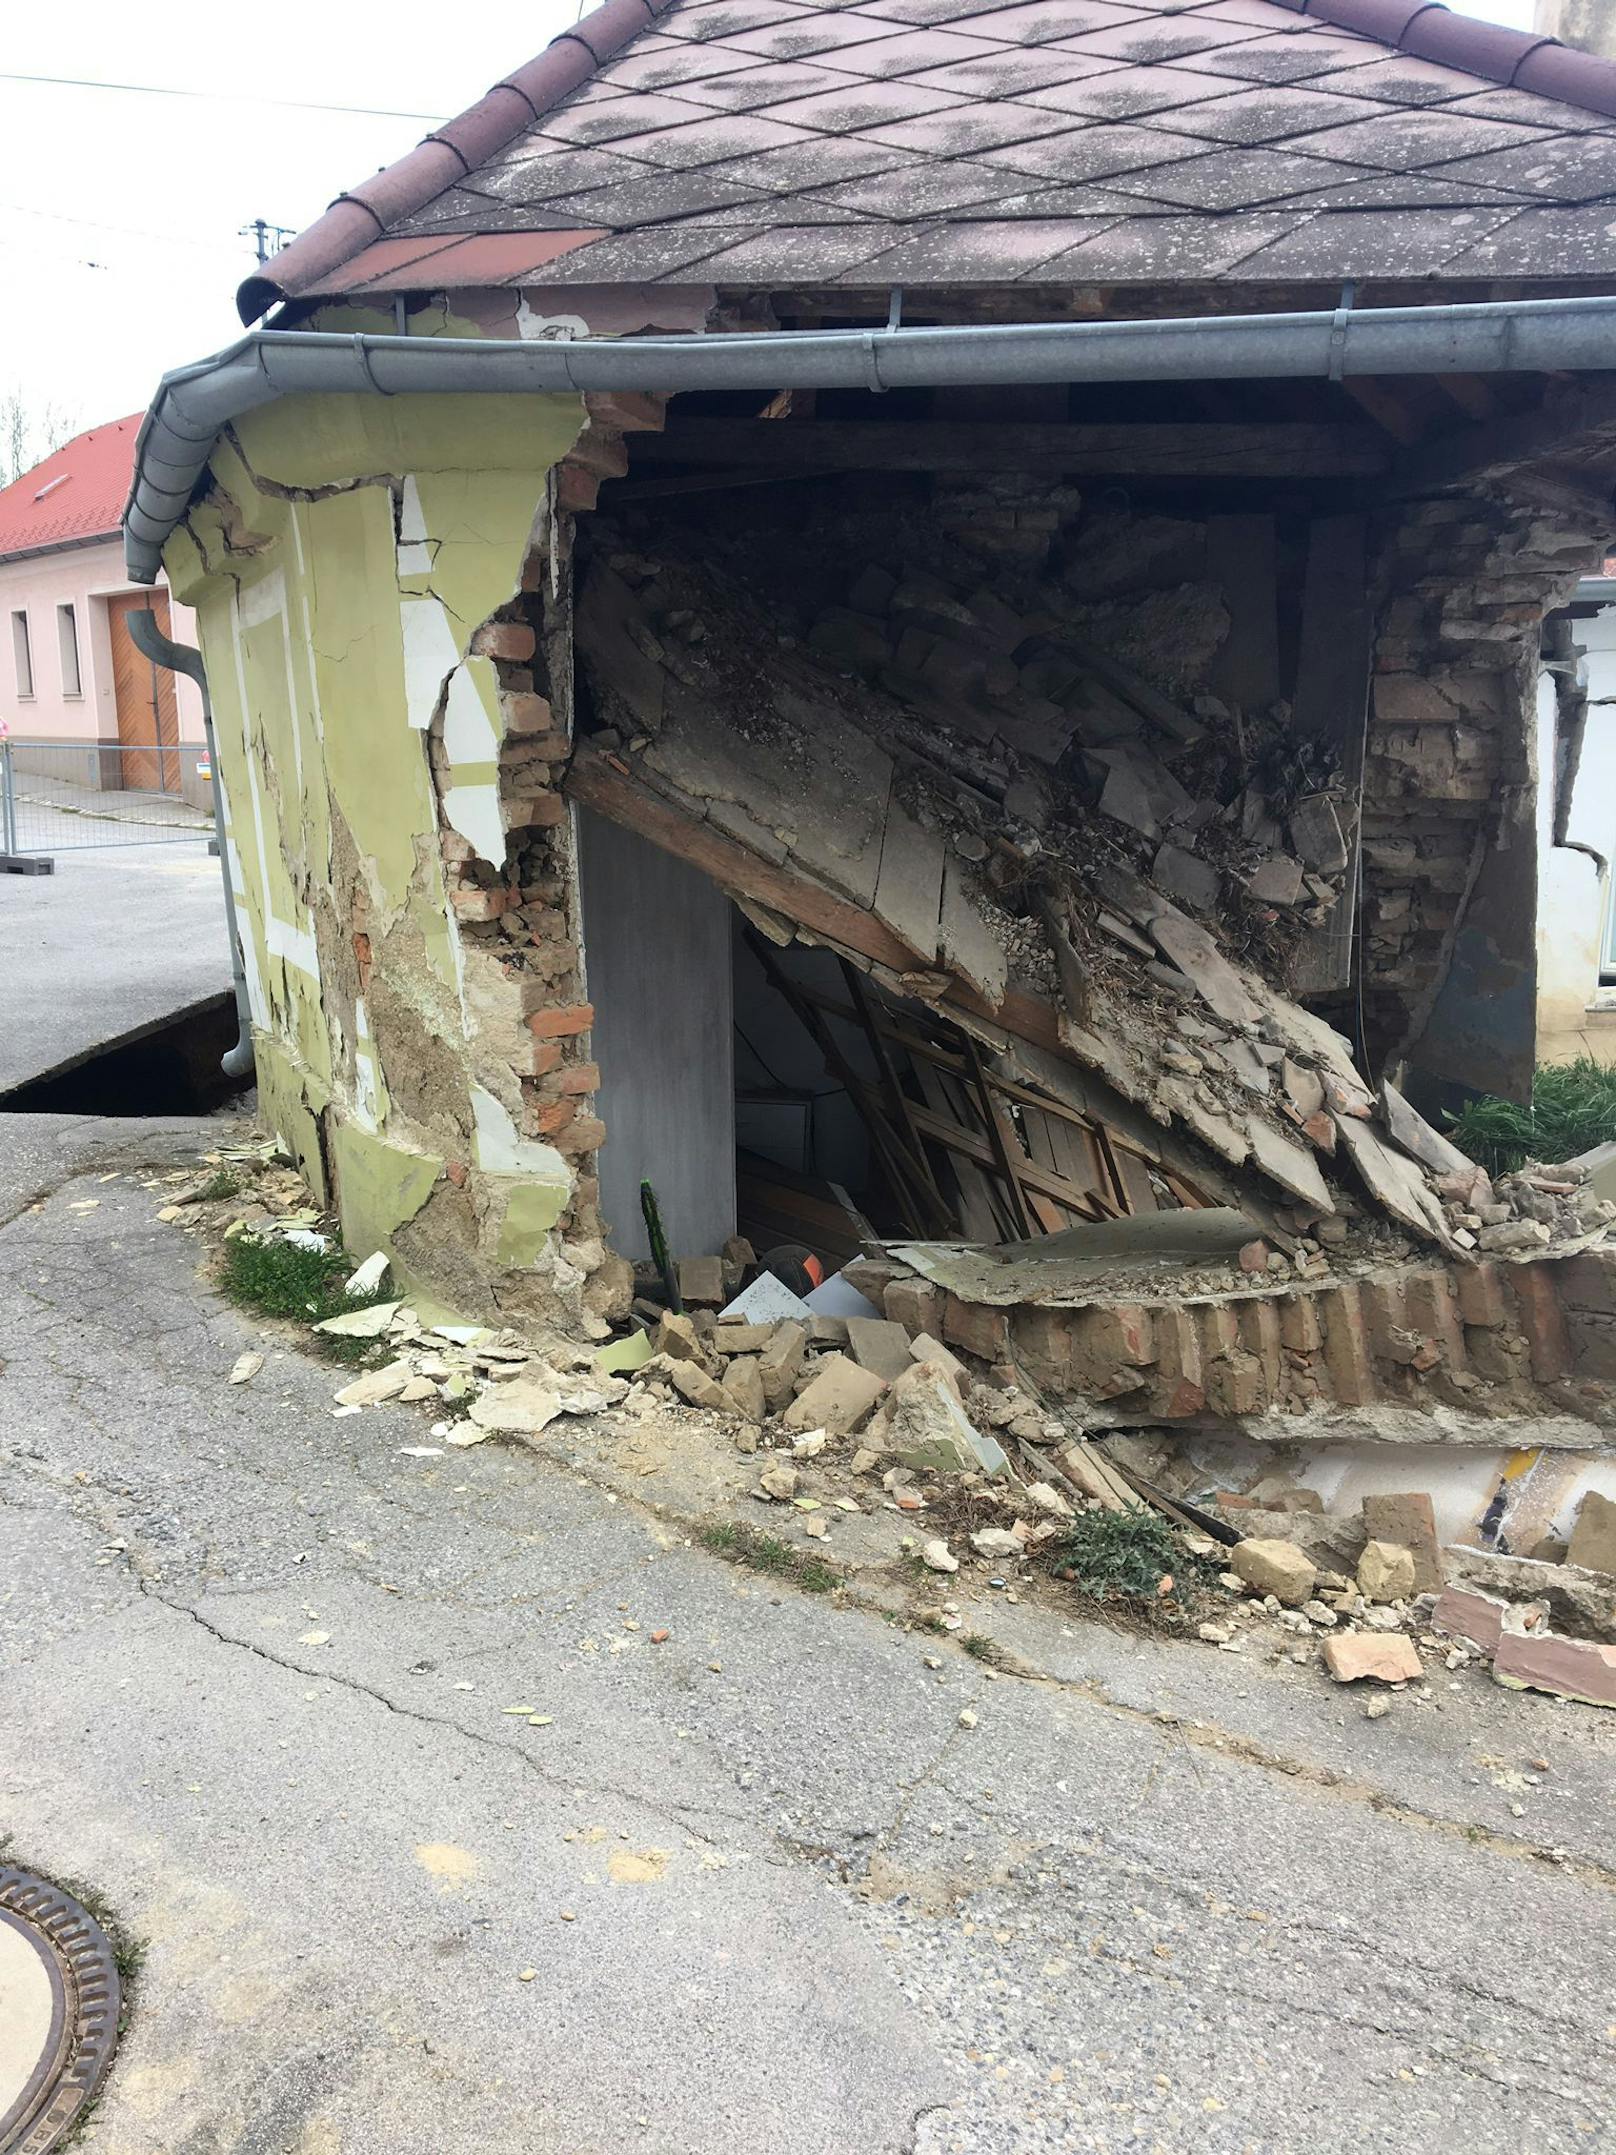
[{"x": 148, "y": 716}]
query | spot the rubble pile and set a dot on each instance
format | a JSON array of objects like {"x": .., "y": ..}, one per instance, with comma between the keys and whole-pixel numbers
[{"x": 1089, "y": 863}]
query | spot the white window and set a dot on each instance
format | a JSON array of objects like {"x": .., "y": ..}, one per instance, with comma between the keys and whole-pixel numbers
[
  {"x": 23, "y": 653},
  {"x": 67, "y": 634}
]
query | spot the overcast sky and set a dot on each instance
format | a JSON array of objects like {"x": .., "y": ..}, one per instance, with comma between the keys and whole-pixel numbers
[{"x": 119, "y": 214}]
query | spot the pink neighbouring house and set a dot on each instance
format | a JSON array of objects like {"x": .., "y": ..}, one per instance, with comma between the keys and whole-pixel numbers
[{"x": 69, "y": 671}]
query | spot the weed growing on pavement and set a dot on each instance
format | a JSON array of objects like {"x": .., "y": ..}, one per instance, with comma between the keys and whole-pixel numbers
[
  {"x": 980, "y": 1647},
  {"x": 741, "y": 1544},
  {"x": 285, "y": 1279},
  {"x": 218, "y": 1187},
  {"x": 1130, "y": 1562}
]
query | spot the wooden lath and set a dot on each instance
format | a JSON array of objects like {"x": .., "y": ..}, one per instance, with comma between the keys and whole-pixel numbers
[{"x": 968, "y": 1149}]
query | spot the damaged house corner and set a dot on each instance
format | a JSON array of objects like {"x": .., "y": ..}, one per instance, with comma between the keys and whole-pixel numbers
[{"x": 1034, "y": 860}]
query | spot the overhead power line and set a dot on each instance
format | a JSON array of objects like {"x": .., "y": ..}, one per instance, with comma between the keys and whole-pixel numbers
[{"x": 217, "y": 97}]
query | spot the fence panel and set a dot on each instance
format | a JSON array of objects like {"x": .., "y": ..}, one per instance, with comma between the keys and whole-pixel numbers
[{"x": 63, "y": 796}]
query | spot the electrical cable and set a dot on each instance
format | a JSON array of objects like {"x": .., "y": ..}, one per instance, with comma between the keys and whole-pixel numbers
[{"x": 223, "y": 97}]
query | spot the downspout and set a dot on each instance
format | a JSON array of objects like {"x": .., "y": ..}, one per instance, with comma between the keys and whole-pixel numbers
[
  {"x": 162, "y": 650},
  {"x": 194, "y": 404}
]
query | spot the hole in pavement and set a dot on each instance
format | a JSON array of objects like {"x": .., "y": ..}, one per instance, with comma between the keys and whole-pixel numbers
[{"x": 166, "y": 1069}]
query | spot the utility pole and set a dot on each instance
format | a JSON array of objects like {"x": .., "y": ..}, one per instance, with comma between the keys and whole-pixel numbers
[{"x": 266, "y": 237}]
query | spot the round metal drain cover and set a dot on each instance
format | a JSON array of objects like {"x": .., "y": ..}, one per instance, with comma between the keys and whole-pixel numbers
[{"x": 59, "y": 2005}]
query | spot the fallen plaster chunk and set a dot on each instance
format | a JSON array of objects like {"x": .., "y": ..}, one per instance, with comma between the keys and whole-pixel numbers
[
  {"x": 366, "y": 1278},
  {"x": 1384, "y": 1657},
  {"x": 375, "y": 1386},
  {"x": 937, "y": 1556},
  {"x": 361, "y": 1323},
  {"x": 244, "y": 1368}
]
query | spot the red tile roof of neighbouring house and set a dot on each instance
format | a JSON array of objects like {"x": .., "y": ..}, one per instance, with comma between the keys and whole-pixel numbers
[
  {"x": 762, "y": 143},
  {"x": 77, "y": 493}
]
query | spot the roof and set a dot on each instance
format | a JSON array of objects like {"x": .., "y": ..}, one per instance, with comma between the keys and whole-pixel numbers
[
  {"x": 768, "y": 143},
  {"x": 77, "y": 493}
]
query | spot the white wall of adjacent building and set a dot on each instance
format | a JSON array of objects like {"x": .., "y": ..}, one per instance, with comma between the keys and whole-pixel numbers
[{"x": 1576, "y": 1008}]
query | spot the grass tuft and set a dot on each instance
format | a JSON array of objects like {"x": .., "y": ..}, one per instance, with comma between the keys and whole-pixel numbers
[
  {"x": 980, "y": 1647},
  {"x": 1573, "y": 1109},
  {"x": 283, "y": 1279},
  {"x": 217, "y": 1187},
  {"x": 741, "y": 1544}
]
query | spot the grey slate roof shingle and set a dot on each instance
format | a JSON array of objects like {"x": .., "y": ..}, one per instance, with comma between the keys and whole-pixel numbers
[{"x": 863, "y": 143}]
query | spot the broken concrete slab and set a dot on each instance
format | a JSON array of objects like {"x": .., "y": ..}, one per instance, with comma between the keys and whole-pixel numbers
[
  {"x": 1188, "y": 946},
  {"x": 1277, "y": 881},
  {"x": 521, "y": 1407},
  {"x": 1291, "y": 1165},
  {"x": 692, "y": 1383},
  {"x": 1411, "y": 1133},
  {"x": 837, "y": 1398},
  {"x": 368, "y": 1323},
  {"x": 1315, "y": 833},
  {"x": 880, "y": 1346},
  {"x": 375, "y": 1386},
  {"x": 1186, "y": 876},
  {"x": 1394, "y": 1182}
]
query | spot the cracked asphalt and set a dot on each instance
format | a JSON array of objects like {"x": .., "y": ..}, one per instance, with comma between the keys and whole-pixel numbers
[{"x": 751, "y": 1887}]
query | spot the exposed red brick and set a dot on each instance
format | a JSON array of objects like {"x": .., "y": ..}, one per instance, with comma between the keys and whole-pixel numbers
[
  {"x": 916, "y": 1304},
  {"x": 562, "y": 1021},
  {"x": 631, "y": 411},
  {"x": 1180, "y": 1366},
  {"x": 580, "y": 1078},
  {"x": 1346, "y": 1353},
  {"x": 525, "y": 714},
  {"x": 1259, "y": 1335},
  {"x": 600, "y": 450},
  {"x": 576, "y": 489},
  {"x": 1542, "y": 1321},
  {"x": 1299, "y": 1326},
  {"x": 1254, "y": 1256},
  {"x": 481, "y": 904},
  {"x": 457, "y": 1172},
  {"x": 512, "y": 640},
  {"x": 554, "y": 1116},
  {"x": 976, "y": 1328},
  {"x": 361, "y": 951},
  {"x": 585, "y": 1133},
  {"x": 535, "y": 811},
  {"x": 1481, "y": 1294},
  {"x": 1588, "y": 1282},
  {"x": 1431, "y": 1309}
]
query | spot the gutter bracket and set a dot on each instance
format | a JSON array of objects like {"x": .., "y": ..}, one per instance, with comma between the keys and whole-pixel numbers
[{"x": 1338, "y": 332}]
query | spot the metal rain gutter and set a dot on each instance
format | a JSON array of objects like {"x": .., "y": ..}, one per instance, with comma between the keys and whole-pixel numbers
[
  {"x": 162, "y": 650},
  {"x": 195, "y": 403}
]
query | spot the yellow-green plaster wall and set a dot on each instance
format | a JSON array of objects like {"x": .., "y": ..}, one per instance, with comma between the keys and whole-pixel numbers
[{"x": 345, "y": 554}]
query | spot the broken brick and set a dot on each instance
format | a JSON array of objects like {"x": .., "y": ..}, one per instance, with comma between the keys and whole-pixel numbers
[
  {"x": 512, "y": 640},
  {"x": 562, "y": 1022}
]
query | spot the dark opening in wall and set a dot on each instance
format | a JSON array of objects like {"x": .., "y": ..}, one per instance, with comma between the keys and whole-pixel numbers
[{"x": 166, "y": 1069}]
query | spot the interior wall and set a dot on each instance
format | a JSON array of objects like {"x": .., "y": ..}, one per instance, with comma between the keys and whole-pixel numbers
[
  {"x": 1572, "y": 893},
  {"x": 789, "y": 1107},
  {"x": 657, "y": 941}
]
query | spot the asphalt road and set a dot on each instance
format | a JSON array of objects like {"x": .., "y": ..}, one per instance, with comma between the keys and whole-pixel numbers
[
  {"x": 115, "y": 940},
  {"x": 754, "y": 1887}
]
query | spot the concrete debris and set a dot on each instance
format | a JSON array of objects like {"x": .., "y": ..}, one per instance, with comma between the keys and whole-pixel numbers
[
  {"x": 244, "y": 1368},
  {"x": 1593, "y": 1535},
  {"x": 1275, "y": 1567},
  {"x": 837, "y": 1398},
  {"x": 1386, "y": 1572},
  {"x": 1381, "y": 1657},
  {"x": 937, "y": 1556},
  {"x": 368, "y": 1323}
]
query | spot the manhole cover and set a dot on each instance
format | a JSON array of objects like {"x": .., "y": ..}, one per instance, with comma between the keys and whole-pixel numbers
[{"x": 59, "y": 2003}]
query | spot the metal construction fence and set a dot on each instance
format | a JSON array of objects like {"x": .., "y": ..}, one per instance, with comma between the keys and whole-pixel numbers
[{"x": 61, "y": 796}]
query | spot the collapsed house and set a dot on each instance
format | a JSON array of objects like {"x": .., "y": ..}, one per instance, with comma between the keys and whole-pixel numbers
[{"x": 1057, "y": 843}]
